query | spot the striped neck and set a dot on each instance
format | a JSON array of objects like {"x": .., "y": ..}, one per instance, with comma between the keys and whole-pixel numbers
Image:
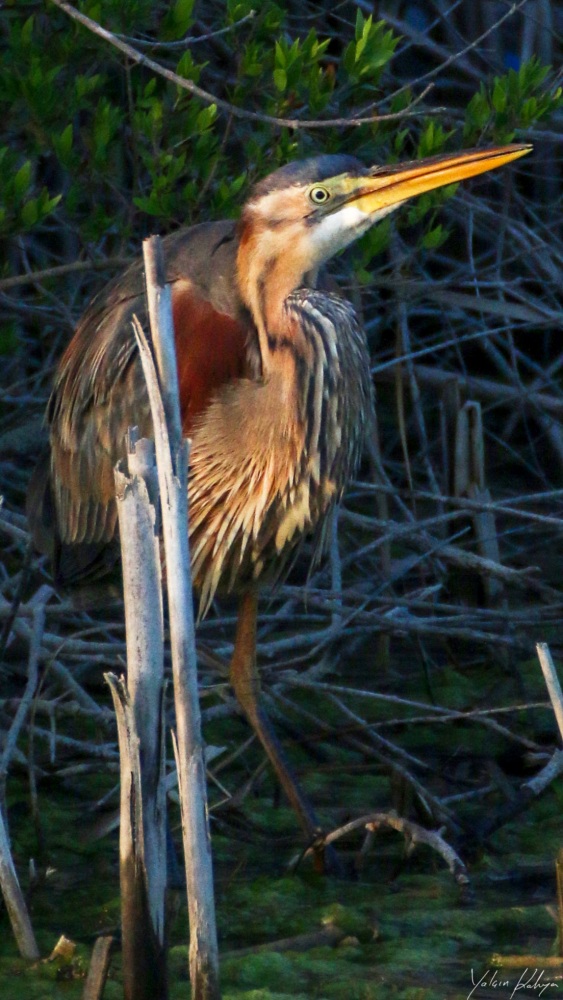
[{"x": 266, "y": 279}]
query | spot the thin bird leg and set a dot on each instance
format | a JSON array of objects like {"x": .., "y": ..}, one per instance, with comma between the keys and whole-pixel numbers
[{"x": 246, "y": 684}]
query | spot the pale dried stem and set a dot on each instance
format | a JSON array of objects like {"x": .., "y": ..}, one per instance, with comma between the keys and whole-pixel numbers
[
  {"x": 172, "y": 462},
  {"x": 551, "y": 682},
  {"x": 14, "y": 900}
]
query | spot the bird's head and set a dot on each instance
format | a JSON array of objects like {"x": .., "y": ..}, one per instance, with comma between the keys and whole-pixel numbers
[{"x": 301, "y": 215}]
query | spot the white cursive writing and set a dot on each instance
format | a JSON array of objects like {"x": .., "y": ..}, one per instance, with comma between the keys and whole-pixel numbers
[
  {"x": 534, "y": 981},
  {"x": 492, "y": 981}
]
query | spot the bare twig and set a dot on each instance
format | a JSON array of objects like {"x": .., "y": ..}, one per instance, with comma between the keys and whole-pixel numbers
[
  {"x": 76, "y": 266},
  {"x": 328, "y": 936},
  {"x": 24, "y": 705},
  {"x": 225, "y": 106},
  {"x": 189, "y": 40},
  {"x": 413, "y": 833},
  {"x": 474, "y": 44},
  {"x": 13, "y": 897}
]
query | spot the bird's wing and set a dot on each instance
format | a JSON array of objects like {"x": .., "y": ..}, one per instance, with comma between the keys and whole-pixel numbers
[{"x": 99, "y": 389}]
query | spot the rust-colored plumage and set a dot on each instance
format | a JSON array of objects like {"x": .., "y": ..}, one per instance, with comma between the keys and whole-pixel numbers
[{"x": 274, "y": 382}]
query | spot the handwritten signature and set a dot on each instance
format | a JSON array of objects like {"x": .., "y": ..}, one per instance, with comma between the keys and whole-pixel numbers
[{"x": 534, "y": 981}]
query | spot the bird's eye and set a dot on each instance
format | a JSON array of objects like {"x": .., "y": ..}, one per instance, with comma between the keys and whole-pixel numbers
[{"x": 318, "y": 195}]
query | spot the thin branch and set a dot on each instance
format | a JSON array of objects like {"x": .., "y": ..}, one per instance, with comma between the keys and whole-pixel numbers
[
  {"x": 188, "y": 40},
  {"x": 456, "y": 56},
  {"x": 222, "y": 105},
  {"x": 414, "y": 834},
  {"x": 328, "y": 936},
  {"x": 36, "y": 633},
  {"x": 110, "y": 264},
  {"x": 476, "y": 386}
]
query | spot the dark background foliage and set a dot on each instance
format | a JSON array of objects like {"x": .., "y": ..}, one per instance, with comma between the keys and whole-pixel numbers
[
  {"x": 461, "y": 299},
  {"x": 96, "y": 153}
]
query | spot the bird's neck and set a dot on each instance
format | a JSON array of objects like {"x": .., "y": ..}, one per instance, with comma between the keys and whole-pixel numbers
[{"x": 266, "y": 279}]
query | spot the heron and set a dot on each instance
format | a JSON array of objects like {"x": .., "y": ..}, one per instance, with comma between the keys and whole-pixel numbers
[{"x": 275, "y": 393}]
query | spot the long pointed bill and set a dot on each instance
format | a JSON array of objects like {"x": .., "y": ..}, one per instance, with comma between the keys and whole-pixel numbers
[{"x": 387, "y": 187}]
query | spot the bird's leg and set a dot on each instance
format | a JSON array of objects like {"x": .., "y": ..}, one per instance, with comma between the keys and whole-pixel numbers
[{"x": 246, "y": 684}]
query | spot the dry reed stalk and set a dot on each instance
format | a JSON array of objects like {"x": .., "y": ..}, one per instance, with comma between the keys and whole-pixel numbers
[
  {"x": 172, "y": 462},
  {"x": 140, "y": 721}
]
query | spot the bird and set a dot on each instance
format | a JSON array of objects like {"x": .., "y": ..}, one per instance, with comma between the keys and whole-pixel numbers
[{"x": 275, "y": 394}]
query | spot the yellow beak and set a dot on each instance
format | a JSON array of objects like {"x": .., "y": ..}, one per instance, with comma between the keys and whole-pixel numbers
[{"x": 386, "y": 187}]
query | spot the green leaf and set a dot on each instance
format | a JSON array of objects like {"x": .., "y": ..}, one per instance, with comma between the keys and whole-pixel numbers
[
  {"x": 206, "y": 117},
  {"x": 434, "y": 238},
  {"x": 188, "y": 68},
  {"x": 364, "y": 38},
  {"x": 47, "y": 204},
  {"x": 63, "y": 145},
  {"x": 146, "y": 205},
  {"x": 499, "y": 95},
  {"x": 373, "y": 243},
  {"x": 85, "y": 85},
  {"x": 22, "y": 180},
  {"x": 238, "y": 183},
  {"x": 280, "y": 54},
  {"x": 432, "y": 139},
  {"x": 399, "y": 140},
  {"x": 359, "y": 26},
  {"x": 370, "y": 52},
  {"x": 30, "y": 213},
  {"x": 27, "y": 31},
  {"x": 237, "y": 9},
  {"x": 280, "y": 79},
  {"x": 178, "y": 20}
]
